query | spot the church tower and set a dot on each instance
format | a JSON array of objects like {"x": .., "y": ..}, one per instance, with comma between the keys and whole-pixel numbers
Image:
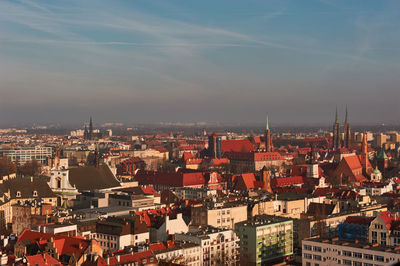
[
  {"x": 336, "y": 133},
  {"x": 90, "y": 129},
  {"x": 364, "y": 153},
  {"x": 347, "y": 132},
  {"x": 267, "y": 138}
]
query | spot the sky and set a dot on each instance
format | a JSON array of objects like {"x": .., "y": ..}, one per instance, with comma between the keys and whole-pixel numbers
[{"x": 215, "y": 61}]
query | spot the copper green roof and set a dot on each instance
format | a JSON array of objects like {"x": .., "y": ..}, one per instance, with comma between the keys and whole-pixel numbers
[
  {"x": 376, "y": 171},
  {"x": 382, "y": 154}
]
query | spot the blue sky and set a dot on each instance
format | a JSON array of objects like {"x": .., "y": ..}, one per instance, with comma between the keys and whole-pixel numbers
[{"x": 217, "y": 61}]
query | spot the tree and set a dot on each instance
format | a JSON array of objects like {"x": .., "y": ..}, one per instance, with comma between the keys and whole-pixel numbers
[
  {"x": 6, "y": 166},
  {"x": 31, "y": 168}
]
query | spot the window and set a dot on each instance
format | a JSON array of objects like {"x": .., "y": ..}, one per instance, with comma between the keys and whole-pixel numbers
[
  {"x": 307, "y": 256},
  {"x": 18, "y": 194},
  {"x": 347, "y": 262},
  {"x": 307, "y": 247},
  {"x": 317, "y": 257},
  {"x": 368, "y": 257},
  {"x": 379, "y": 258},
  {"x": 357, "y": 263},
  {"x": 318, "y": 249},
  {"x": 357, "y": 255},
  {"x": 346, "y": 253}
]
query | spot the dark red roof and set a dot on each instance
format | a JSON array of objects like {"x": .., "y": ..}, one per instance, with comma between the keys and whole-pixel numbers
[{"x": 242, "y": 145}]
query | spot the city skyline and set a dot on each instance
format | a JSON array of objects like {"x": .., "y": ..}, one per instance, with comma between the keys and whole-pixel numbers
[{"x": 228, "y": 62}]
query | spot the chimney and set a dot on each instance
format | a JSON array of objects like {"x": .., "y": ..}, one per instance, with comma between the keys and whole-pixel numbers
[
  {"x": 118, "y": 258},
  {"x": 31, "y": 179}
]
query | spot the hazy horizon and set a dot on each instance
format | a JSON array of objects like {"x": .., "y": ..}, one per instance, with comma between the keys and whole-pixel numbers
[{"x": 231, "y": 62}]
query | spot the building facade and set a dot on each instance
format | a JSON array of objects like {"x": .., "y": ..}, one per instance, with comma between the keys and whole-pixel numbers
[{"x": 265, "y": 239}]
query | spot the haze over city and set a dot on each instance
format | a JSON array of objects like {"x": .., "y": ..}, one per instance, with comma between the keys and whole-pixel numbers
[{"x": 212, "y": 61}]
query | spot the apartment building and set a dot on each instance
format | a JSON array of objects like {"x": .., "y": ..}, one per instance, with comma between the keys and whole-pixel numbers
[
  {"x": 265, "y": 239},
  {"x": 318, "y": 252},
  {"x": 218, "y": 246},
  {"x": 219, "y": 214}
]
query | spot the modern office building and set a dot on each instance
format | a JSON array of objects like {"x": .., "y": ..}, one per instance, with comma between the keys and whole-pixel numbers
[
  {"x": 265, "y": 239},
  {"x": 26, "y": 154}
]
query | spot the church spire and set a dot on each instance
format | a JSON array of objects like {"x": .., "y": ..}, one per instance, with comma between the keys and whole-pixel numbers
[
  {"x": 267, "y": 137},
  {"x": 90, "y": 128},
  {"x": 336, "y": 117},
  {"x": 347, "y": 131}
]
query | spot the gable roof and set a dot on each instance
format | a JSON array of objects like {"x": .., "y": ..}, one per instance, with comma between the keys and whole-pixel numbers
[
  {"x": 237, "y": 145},
  {"x": 287, "y": 181},
  {"x": 90, "y": 177},
  {"x": 63, "y": 244},
  {"x": 26, "y": 187},
  {"x": 42, "y": 259}
]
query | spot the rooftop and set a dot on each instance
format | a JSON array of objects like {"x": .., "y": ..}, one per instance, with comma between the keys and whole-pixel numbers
[
  {"x": 260, "y": 220},
  {"x": 354, "y": 244}
]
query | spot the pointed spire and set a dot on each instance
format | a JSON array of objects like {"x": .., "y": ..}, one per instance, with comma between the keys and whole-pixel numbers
[
  {"x": 267, "y": 125},
  {"x": 346, "y": 121},
  {"x": 336, "y": 117}
]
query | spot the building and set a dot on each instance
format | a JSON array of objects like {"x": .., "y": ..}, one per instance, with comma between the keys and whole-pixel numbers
[
  {"x": 320, "y": 251},
  {"x": 23, "y": 155},
  {"x": 347, "y": 132},
  {"x": 218, "y": 246},
  {"x": 312, "y": 226},
  {"x": 336, "y": 133},
  {"x": 178, "y": 253},
  {"x": 57, "y": 229},
  {"x": 264, "y": 240},
  {"x": 22, "y": 191},
  {"x": 28, "y": 215},
  {"x": 355, "y": 228},
  {"x": 254, "y": 161},
  {"x": 380, "y": 229},
  {"x": 168, "y": 225},
  {"x": 218, "y": 214},
  {"x": 190, "y": 193},
  {"x": 117, "y": 233},
  {"x": 67, "y": 250}
]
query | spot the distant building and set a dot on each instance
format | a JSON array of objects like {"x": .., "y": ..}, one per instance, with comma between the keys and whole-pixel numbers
[{"x": 23, "y": 155}]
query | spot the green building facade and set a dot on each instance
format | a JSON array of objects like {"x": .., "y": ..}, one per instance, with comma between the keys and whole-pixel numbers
[{"x": 265, "y": 239}]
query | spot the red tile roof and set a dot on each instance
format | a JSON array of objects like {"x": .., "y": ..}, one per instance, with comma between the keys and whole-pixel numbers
[
  {"x": 287, "y": 181},
  {"x": 42, "y": 259},
  {"x": 64, "y": 244},
  {"x": 242, "y": 145}
]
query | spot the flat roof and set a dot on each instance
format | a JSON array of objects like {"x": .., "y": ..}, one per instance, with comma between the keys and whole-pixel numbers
[{"x": 354, "y": 244}]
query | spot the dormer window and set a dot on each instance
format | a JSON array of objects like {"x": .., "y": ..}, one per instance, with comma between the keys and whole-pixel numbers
[
  {"x": 35, "y": 193},
  {"x": 18, "y": 194}
]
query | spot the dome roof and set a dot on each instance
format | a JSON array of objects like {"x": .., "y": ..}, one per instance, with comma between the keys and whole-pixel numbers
[{"x": 376, "y": 171}]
